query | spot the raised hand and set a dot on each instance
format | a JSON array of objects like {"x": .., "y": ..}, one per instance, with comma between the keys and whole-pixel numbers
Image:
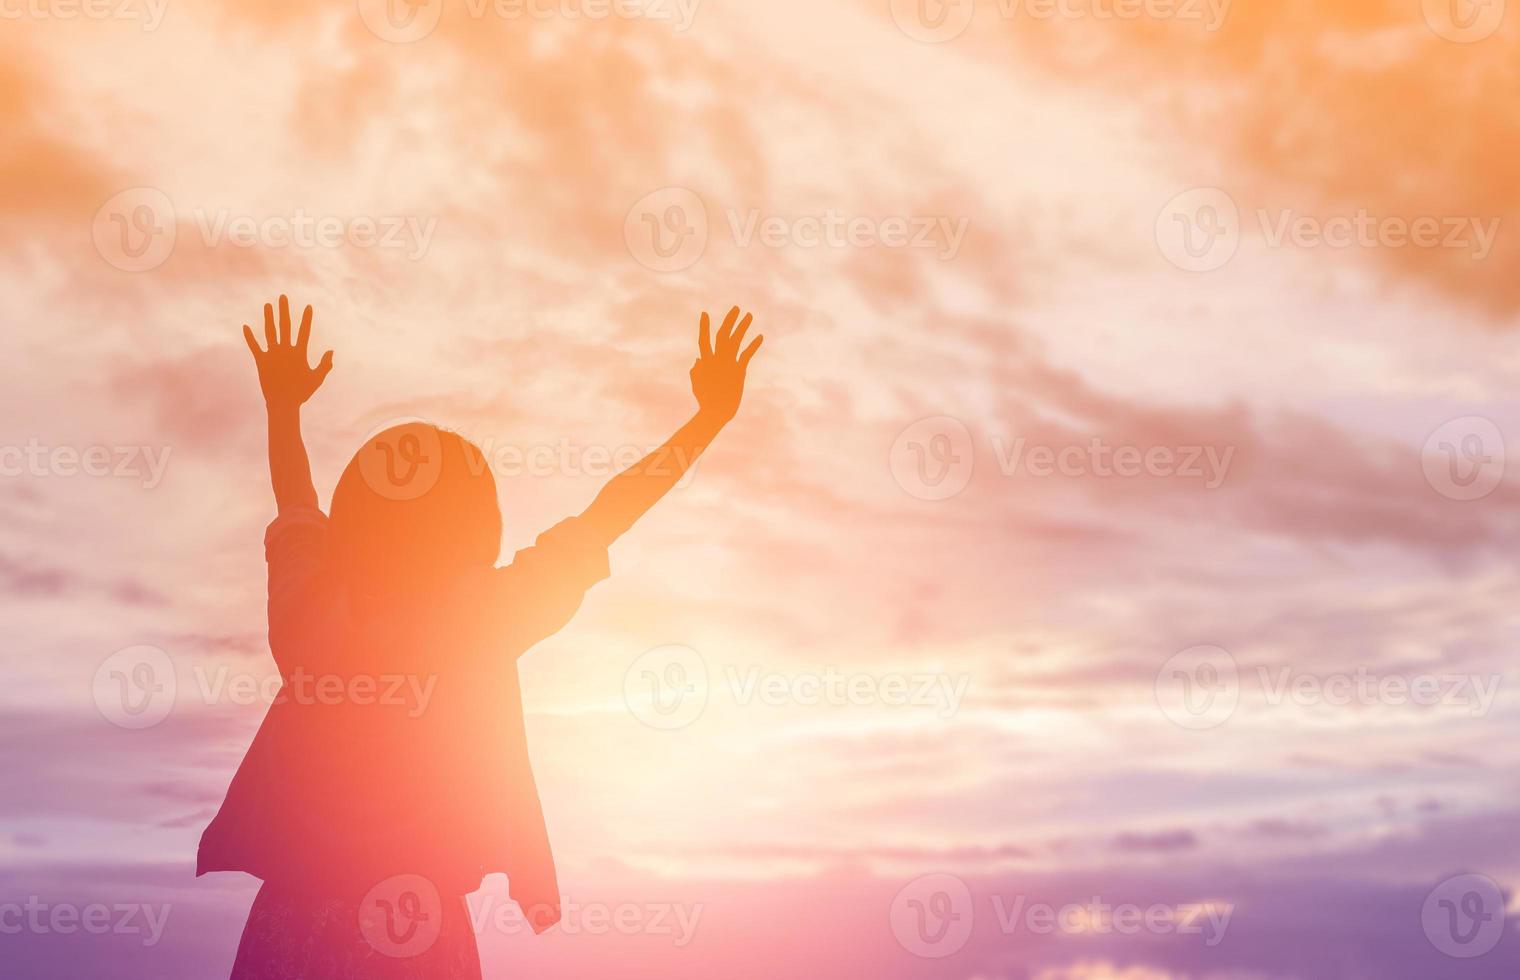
[
  {"x": 717, "y": 377},
  {"x": 284, "y": 375}
]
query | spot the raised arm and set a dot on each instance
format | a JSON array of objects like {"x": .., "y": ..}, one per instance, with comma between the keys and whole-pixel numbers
[
  {"x": 287, "y": 382},
  {"x": 717, "y": 380}
]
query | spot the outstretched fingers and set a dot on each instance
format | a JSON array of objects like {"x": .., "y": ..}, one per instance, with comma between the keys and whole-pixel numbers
[
  {"x": 725, "y": 332},
  {"x": 749, "y": 351},
  {"x": 324, "y": 366},
  {"x": 304, "y": 334},
  {"x": 253, "y": 345},
  {"x": 271, "y": 339},
  {"x": 737, "y": 337},
  {"x": 284, "y": 320},
  {"x": 730, "y": 339}
]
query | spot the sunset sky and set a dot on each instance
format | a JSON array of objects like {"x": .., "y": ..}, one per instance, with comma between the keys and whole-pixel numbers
[{"x": 1262, "y": 251}]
